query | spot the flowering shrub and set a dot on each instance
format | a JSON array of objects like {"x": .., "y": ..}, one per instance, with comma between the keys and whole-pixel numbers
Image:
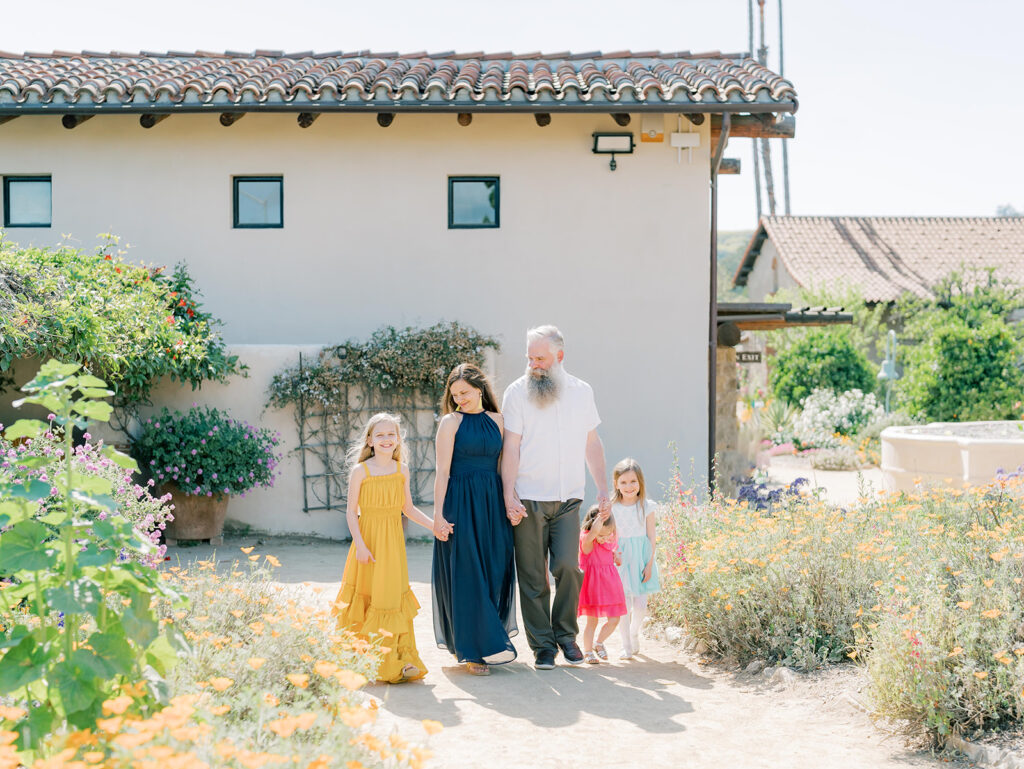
[
  {"x": 841, "y": 458},
  {"x": 131, "y": 323},
  {"x": 76, "y": 616},
  {"x": 135, "y": 503},
  {"x": 925, "y": 589},
  {"x": 207, "y": 452},
  {"x": 820, "y": 359},
  {"x": 269, "y": 681},
  {"x": 826, "y": 417}
]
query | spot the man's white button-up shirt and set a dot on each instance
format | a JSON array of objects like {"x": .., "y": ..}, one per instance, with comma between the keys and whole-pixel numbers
[{"x": 552, "y": 454}]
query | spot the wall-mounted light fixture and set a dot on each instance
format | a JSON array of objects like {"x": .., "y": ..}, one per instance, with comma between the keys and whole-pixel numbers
[{"x": 613, "y": 144}]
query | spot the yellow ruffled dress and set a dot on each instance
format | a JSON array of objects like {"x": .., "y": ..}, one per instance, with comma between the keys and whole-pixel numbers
[{"x": 375, "y": 597}]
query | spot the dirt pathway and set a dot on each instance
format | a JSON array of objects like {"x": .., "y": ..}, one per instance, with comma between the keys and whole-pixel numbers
[{"x": 663, "y": 708}]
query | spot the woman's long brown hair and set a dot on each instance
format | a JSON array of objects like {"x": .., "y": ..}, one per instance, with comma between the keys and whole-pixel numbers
[{"x": 474, "y": 377}]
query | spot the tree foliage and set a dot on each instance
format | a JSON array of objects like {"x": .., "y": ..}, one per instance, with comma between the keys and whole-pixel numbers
[{"x": 821, "y": 359}]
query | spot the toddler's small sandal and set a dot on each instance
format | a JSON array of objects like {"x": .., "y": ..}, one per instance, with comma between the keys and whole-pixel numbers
[
  {"x": 590, "y": 658},
  {"x": 599, "y": 650}
]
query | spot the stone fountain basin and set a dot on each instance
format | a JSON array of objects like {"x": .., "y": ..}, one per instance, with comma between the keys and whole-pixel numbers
[{"x": 950, "y": 453}]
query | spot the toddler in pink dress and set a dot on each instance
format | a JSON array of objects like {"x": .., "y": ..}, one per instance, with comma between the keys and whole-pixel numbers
[{"x": 601, "y": 594}]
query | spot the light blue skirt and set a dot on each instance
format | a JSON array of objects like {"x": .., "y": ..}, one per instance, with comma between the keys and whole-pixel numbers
[{"x": 636, "y": 551}]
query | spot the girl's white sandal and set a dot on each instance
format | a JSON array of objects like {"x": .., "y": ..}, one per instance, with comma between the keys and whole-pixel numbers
[{"x": 600, "y": 651}]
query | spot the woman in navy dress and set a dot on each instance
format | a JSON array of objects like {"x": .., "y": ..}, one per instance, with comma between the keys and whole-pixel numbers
[{"x": 474, "y": 570}]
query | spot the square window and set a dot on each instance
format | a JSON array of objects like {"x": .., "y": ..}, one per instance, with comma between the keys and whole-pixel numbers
[
  {"x": 27, "y": 201},
  {"x": 259, "y": 201},
  {"x": 473, "y": 202}
]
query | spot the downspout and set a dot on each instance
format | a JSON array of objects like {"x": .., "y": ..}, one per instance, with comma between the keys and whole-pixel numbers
[{"x": 716, "y": 161}]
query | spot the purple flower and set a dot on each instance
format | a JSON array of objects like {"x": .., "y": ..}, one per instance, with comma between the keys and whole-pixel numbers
[
  {"x": 215, "y": 476},
  {"x": 50, "y": 417},
  {"x": 203, "y": 442}
]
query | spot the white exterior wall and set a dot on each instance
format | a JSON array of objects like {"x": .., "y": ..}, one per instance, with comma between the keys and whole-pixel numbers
[
  {"x": 769, "y": 275},
  {"x": 618, "y": 260}
]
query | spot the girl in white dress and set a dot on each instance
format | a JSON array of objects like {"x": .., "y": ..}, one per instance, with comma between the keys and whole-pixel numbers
[{"x": 635, "y": 516}]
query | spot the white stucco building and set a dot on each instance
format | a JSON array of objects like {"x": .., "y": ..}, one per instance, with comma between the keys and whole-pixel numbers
[{"x": 352, "y": 158}]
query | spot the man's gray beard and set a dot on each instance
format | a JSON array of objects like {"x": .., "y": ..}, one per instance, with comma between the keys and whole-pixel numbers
[{"x": 544, "y": 389}]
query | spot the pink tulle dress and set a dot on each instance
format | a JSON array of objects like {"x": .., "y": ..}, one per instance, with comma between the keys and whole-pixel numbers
[{"x": 601, "y": 594}]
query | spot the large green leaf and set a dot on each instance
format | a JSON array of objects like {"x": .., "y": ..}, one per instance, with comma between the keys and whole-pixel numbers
[
  {"x": 25, "y": 428},
  {"x": 162, "y": 655},
  {"x": 34, "y": 463},
  {"x": 119, "y": 459},
  {"x": 22, "y": 547},
  {"x": 82, "y": 596},
  {"x": 41, "y": 722},
  {"x": 99, "y": 410},
  {"x": 91, "y": 484},
  {"x": 33, "y": 490},
  {"x": 22, "y": 664},
  {"x": 113, "y": 652},
  {"x": 76, "y": 681},
  {"x": 93, "y": 555},
  {"x": 56, "y": 518},
  {"x": 139, "y": 622},
  {"x": 86, "y": 380}
]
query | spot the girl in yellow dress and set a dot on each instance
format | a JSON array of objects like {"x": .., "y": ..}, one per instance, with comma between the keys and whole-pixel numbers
[{"x": 375, "y": 597}]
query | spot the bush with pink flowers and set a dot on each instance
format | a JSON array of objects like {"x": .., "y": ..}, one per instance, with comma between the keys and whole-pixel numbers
[{"x": 207, "y": 452}]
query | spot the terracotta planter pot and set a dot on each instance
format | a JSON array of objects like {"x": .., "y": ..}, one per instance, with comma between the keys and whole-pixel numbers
[{"x": 196, "y": 517}]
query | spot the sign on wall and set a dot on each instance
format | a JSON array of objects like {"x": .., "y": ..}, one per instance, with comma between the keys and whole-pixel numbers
[{"x": 748, "y": 356}]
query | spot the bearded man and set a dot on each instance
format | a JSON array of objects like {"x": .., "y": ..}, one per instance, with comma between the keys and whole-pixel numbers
[{"x": 550, "y": 434}]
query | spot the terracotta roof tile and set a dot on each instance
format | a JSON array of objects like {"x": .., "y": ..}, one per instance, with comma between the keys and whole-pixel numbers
[
  {"x": 212, "y": 80},
  {"x": 886, "y": 256}
]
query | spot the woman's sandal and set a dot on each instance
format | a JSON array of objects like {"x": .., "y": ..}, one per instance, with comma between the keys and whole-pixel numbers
[
  {"x": 409, "y": 672},
  {"x": 590, "y": 658},
  {"x": 477, "y": 669},
  {"x": 599, "y": 650}
]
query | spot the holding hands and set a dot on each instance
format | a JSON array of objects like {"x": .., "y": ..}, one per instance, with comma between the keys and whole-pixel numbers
[
  {"x": 442, "y": 528},
  {"x": 514, "y": 509}
]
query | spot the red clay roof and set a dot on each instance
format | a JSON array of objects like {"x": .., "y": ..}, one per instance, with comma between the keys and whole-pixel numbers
[
  {"x": 887, "y": 255},
  {"x": 177, "y": 81}
]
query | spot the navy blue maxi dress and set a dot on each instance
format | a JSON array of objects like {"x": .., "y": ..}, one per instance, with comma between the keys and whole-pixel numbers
[{"x": 474, "y": 572}]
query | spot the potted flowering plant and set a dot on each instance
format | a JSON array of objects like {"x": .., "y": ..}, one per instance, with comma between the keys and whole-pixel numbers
[{"x": 202, "y": 458}]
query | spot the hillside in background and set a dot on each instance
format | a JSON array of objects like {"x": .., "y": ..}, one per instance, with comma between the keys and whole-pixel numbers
[{"x": 731, "y": 245}]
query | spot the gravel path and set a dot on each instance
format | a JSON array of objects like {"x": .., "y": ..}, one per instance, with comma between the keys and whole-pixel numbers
[{"x": 666, "y": 707}]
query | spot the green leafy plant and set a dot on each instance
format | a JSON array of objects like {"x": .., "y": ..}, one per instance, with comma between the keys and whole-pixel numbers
[
  {"x": 820, "y": 359},
  {"x": 77, "y": 614},
  {"x": 965, "y": 372},
  {"x": 402, "y": 360},
  {"x": 207, "y": 452},
  {"x": 128, "y": 323}
]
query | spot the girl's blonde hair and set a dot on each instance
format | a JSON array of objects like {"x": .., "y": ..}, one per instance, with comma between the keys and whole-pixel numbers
[
  {"x": 591, "y": 517},
  {"x": 361, "y": 449},
  {"x": 629, "y": 465}
]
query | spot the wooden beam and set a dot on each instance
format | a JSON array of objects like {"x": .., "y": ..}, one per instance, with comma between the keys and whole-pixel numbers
[
  {"x": 542, "y": 118},
  {"x": 7, "y": 118},
  {"x": 305, "y": 119},
  {"x": 756, "y": 127},
  {"x": 696, "y": 119},
  {"x": 384, "y": 119},
  {"x": 465, "y": 118},
  {"x": 230, "y": 118},
  {"x": 70, "y": 121},
  {"x": 150, "y": 120},
  {"x": 729, "y": 166},
  {"x": 622, "y": 118}
]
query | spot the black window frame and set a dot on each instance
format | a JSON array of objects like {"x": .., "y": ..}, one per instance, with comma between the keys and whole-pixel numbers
[
  {"x": 452, "y": 180},
  {"x": 8, "y": 224},
  {"x": 235, "y": 181}
]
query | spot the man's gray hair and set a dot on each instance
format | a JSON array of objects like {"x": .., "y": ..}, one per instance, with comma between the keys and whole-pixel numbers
[{"x": 551, "y": 333}]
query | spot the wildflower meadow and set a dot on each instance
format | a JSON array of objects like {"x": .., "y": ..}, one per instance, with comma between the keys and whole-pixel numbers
[{"x": 922, "y": 589}]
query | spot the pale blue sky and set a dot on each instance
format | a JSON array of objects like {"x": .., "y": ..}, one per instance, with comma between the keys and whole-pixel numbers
[{"x": 906, "y": 106}]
